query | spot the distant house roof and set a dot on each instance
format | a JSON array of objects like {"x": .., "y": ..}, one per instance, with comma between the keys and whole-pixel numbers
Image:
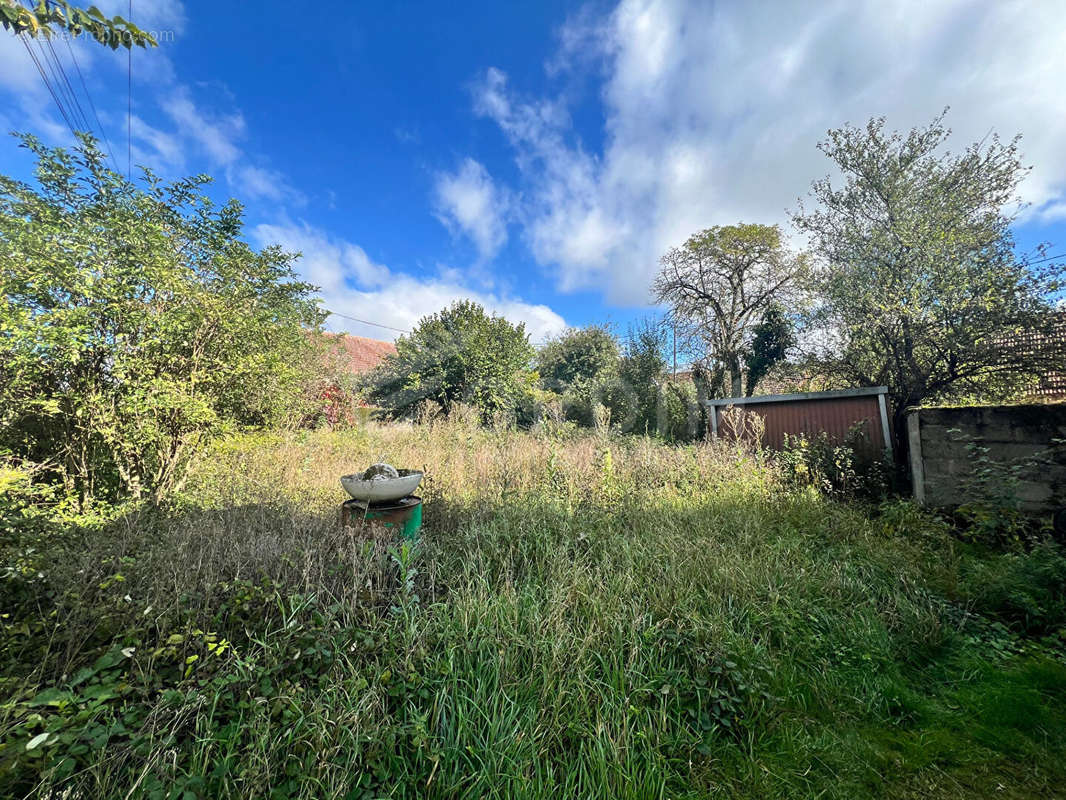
[{"x": 358, "y": 353}]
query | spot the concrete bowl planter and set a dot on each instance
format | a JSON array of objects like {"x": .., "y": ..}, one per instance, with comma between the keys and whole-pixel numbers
[{"x": 382, "y": 490}]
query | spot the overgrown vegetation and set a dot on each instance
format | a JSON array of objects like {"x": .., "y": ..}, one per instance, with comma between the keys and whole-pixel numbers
[
  {"x": 919, "y": 286},
  {"x": 464, "y": 358},
  {"x": 855, "y": 468},
  {"x": 136, "y": 325},
  {"x": 589, "y": 616},
  {"x": 459, "y": 355},
  {"x": 580, "y": 366}
]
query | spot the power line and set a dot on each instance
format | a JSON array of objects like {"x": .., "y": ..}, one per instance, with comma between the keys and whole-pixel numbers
[
  {"x": 129, "y": 100},
  {"x": 62, "y": 90},
  {"x": 1046, "y": 258},
  {"x": 57, "y": 83},
  {"x": 66, "y": 102},
  {"x": 540, "y": 343},
  {"x": 83, "y": 121},
  {"x": 47, "y": 83},
  {"x": 92, "y": 106},
  {"x": 366, "y": 321}
]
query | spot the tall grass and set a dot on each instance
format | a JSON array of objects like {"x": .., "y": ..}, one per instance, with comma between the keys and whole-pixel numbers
[{"x": 583, "y": 617}]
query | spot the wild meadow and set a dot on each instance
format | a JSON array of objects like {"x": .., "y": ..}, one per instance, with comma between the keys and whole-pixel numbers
[
  {"x": 585, "y": 615},
  {"x": 602, "y": 602}
]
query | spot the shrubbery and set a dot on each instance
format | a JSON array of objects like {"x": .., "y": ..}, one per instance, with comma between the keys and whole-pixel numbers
[
  {"x": 459, "y": 355},
  {"x": 578, "y": 366},
  {"x": 854, "y": 468},
  {"x": 680, "y": 417},
  {"x": 1025, "y": 589},
  {"x": 137, "y": 325}
]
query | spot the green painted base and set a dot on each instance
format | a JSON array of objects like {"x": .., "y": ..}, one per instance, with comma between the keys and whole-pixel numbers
[{"x": 405, "y": 515}]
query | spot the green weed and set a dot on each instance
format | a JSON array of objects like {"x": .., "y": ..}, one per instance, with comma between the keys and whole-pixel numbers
[{"x": 584, "y": 616}]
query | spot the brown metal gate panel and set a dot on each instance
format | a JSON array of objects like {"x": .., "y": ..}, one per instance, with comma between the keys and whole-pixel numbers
[
  {"x": 834, "y": 413},
  {"x": 811, "y": 417}
]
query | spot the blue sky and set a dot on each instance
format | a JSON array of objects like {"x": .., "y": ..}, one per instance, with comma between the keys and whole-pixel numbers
[{"x": 539, "y": 157}]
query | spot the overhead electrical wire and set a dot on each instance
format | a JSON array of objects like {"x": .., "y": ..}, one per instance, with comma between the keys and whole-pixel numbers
[
  {"x": 129, "y": 101},
  {"x": 63, "y": 90},
  {"x": 57, "y": 83},
  {"x": 540, "y": 343},
  {"x": 1046, "y": 258},
  {"x": 92, "y": 106},
  {"x": 78, "y": 112},
  {"x": 48, "y": 84},
  {"x": 60, "y": 87},
  {"x": 365, "y": 321}
]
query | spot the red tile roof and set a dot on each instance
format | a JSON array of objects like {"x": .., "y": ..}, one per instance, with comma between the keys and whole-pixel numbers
[{"x": 358, "y": 353}]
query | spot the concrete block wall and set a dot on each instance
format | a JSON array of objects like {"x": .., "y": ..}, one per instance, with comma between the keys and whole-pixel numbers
[{"x": 941, "y": 461}]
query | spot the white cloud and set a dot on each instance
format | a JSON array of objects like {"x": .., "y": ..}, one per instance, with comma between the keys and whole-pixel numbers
[
  {"x": 1052, "y": 211},
  {"x": 17, "y": 72},
  {"x": 712, "y": 113},
  {"x": 468, "y": 201},
  {"x": 353, "y": 284},
  {"x": 326, "y": 262},
  {"x": 217, "y": 134},
  {"x": 261, "y": 183},
  {"x": 156, "y": 147}
]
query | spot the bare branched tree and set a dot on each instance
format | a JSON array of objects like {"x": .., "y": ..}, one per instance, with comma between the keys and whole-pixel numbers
[{"x": 719, "y": 284}]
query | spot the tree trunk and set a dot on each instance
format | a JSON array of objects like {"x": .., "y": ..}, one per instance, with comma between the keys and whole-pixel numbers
[
  {"x": 901, "y": 441},
  {"x": 736, "y": 377}
]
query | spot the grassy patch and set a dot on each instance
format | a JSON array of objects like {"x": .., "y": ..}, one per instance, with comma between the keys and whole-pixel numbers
[{"x": 588, "y": 617}]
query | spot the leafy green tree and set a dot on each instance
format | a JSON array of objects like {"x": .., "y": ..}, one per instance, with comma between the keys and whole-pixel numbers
[
  {"x": 577, "y": 365},
  {"x": 49, "y": 16},
  {"x": 458, "y": 355},
  {"x": 718, "y": 285},
  {"x": 136, "y": 324},
  {"x": 580, "y": 355},
  {"x": 633, "y": 397},
  {"x": 680, "y": 417},
  {"x": 918, "y": 286},
  {"x": 770, "y": 343}
]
